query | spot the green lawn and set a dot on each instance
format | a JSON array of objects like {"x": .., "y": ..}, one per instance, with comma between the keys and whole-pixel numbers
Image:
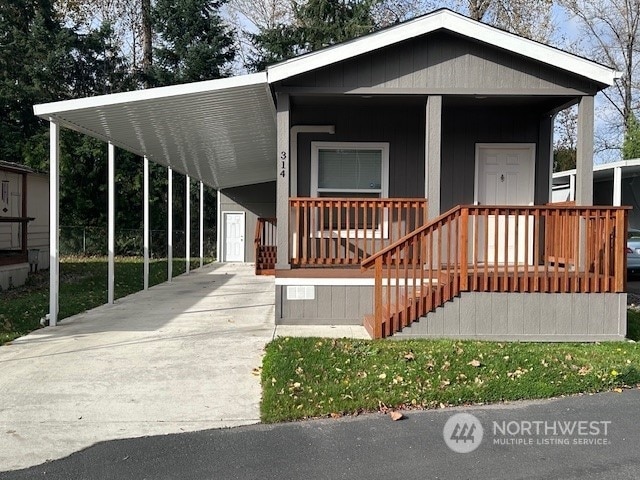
[
  {"x": 633, "y": 325},
  {"x": 83, "y": 285},
  {"x": 313, "y": 377}
]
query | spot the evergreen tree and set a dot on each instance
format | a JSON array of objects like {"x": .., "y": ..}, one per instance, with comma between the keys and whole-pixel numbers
[
  {"x": 194, "y": 42},
  {"x": 35, "y": 66},
  {"x": 631, "y": 144},
  {"x": 316, "y": 24}
]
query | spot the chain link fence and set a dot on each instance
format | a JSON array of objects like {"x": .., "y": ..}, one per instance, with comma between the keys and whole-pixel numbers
[{"x": 92, "y": 241}]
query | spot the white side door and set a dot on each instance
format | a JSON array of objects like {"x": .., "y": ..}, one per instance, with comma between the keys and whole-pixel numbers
[
  {"x": 505, "y": 176},
  {"x": 234, "y": 237}
]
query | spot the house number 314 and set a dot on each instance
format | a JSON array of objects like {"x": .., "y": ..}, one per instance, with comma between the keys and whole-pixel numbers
[{"x": 283, "y": 157}]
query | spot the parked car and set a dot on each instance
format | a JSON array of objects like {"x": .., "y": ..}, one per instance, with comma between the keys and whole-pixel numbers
[{"x": 633, "y": 252}]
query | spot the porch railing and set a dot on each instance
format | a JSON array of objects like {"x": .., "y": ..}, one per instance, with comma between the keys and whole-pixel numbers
[
  {"x": 344, "y": 231},
  {"x": 550, "y": 249},
  {"x": 265, "y": 242}
]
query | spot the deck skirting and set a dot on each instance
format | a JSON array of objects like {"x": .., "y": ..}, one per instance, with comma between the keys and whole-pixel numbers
[{"x": 557, "y": 317}]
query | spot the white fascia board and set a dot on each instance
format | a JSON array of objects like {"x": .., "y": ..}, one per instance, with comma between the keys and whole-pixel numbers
[
  {"x": 46, "y": 110},
  {"x": 635, "y": 162},
  {"x": 564, "y": 173},
  {"x": 454, "y": 22}
]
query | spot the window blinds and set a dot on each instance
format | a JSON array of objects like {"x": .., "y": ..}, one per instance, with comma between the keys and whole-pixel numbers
[{"x": 349, "y": 169}]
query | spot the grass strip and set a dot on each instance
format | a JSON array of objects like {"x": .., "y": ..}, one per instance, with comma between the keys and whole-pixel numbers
[
  {"x": 83, "y": 285},
  {"x": 316, "y": 377}
]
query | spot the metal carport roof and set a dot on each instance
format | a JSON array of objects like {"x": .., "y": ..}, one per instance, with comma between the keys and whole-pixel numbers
[{"x": 221, "y": 132}]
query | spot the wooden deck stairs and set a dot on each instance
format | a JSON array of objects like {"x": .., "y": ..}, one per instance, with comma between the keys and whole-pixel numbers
[
  {"x": 515, "y": 249},
  {"x": 266, "y": 260}
]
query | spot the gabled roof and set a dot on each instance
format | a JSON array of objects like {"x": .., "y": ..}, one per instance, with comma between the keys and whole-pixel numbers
[
  {"x": 448, "y": 20},
  {"x": 14, "y": 167},
  {"x": 223, "y": 132}
]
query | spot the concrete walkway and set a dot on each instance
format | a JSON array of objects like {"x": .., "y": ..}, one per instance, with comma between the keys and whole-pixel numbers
[{"x": 179, "y": 357}]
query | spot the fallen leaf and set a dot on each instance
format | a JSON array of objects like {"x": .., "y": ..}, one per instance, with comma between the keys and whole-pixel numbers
[
  {"x": 617, "y": 390},
  {"x": 474, "y": 363},
  {"x": 409, "y": 356},
  {"x": 395, "y": 416}
]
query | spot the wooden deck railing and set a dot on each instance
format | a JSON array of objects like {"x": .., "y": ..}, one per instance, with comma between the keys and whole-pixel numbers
[
  {"x": 551, "y": 249},
  {"x": 344, "y": 231},
  {"x": 265, "y": 241}
]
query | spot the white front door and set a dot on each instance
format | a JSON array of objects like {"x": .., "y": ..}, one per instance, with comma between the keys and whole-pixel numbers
[
  {"x": 505, "y": 176},
  {"x": 234, "y": 237}
]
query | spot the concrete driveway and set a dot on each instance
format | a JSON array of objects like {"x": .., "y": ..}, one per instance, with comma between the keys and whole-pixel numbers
[{"x": 177, "y": 358}]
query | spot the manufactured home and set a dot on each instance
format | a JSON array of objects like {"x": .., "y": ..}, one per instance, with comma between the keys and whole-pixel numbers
[
  {"x": 401, "y": 180},
  {"x": 24, "y": 223}
]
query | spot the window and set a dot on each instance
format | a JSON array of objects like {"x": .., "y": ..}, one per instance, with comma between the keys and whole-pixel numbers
[{"x": 350, "y": 170}]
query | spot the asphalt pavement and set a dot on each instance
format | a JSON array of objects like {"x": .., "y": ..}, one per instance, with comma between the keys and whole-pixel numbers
[{"x": 581, "y": 437}]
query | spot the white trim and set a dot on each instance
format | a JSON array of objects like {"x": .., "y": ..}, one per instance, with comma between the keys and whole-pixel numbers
[
  {"x": 505, "y": 146},
  {"x": 244, "y": 235},
  {"x": 382, "y": 146},
  {"x": 293, "y": 150},
  {"x": 598, "y": 168},
  {"x": 45, "y": 109},
  {"x": 381, "y": 231},
  {"x": 348, "y": 282},
  {"x": 451, "y": 21}
]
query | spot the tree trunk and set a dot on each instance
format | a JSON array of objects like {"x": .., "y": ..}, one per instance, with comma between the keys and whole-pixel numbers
[{"x": 147, "y": 32}]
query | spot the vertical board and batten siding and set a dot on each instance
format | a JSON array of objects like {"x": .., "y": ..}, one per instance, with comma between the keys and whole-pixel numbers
[
  {"x": 463, "y": 127},
  {"x": 526, "y": 317},
  {"x": 402, "y": 126},
  {"x": 38, "y": 208},
  {"x": 444, "y": 63},
  {"x": 332, "y": 305},
  {"x": 258, "y": 200}
]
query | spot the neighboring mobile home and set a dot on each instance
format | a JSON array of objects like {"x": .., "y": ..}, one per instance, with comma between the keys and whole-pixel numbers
[
  {"x": 615, "y": 183},
  {"x": 24, "y": 208},
  {"x": 401, "y": 179}
]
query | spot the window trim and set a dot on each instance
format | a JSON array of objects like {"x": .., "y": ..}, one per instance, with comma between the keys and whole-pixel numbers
[
  {"x": 382, "y": 230},
  {"x": 382, "y": 146}
]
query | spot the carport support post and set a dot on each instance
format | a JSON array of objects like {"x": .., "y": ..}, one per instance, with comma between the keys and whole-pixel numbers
[
  {"x": 187, "y": 227},
  {"x": 111, "y": 223},
  {"x": 169, "y": 224},
  {"x": 146, "y": 223},
  {"x": 201, "y": 224},
  {"x": 617, "y": 186},
  {"x": 54, "y": 209},
  {"x": 584, "y": 168}
]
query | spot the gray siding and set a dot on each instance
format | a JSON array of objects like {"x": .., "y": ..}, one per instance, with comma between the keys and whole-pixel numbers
[
  {"x": 441, "y": 63},
  {"x": 401, "y": 125},
  {"x": 257, "y": 200},
  {"x": 463, "y": 127},
  {"x": 333, "y": 305},
  {"x": 527, "y": 317}
]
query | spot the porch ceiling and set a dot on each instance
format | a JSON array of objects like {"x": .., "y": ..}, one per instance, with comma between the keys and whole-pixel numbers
[{"x": 221, "y": 132}]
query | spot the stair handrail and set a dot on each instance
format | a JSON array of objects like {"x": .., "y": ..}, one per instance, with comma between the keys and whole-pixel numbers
[{"x": 369, "y": 261}]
